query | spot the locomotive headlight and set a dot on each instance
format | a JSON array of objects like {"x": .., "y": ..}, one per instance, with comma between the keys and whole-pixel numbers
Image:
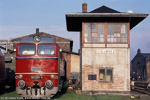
[
  {"x": 52, "y": 76},
  {"x": 20, "y": 76},
  {"x": 21, "y": 84},
  {"x": 36, "y": 38},
  {"x": 48, "y": 84}
]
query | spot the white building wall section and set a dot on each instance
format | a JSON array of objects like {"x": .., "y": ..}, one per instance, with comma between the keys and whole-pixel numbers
[{"x": 116, "y": 58}]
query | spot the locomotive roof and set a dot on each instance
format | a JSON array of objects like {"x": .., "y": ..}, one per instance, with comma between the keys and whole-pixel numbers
[{"x": 43, "y": 40}]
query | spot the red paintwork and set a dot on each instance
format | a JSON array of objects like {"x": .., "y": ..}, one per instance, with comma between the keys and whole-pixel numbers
[
  {"x": 2, "y": 68},
  {"x": 30, "y": 82},
  {"x": 47, "y": 66}
]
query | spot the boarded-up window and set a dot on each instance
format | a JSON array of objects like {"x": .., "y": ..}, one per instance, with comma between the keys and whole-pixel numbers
[
  {"x": 91, "y": 77},
  {"x": 105, "y": 75}
]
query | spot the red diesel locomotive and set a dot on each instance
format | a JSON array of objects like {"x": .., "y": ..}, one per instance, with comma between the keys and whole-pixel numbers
[
  {"x": 2, "y": 71},
  {"x": 39, "y": 71}
]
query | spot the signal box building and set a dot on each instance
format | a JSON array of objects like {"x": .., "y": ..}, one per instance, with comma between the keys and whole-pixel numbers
[{"x": 104, "y": 47}]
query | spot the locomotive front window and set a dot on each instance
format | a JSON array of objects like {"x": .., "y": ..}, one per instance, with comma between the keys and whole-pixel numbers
[
  {"x": 46, "y": 49},
  {"x": 27, "y": 49}
]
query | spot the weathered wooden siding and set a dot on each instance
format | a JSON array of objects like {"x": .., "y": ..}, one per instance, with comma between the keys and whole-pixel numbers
[{"x": 148, "y": 70}]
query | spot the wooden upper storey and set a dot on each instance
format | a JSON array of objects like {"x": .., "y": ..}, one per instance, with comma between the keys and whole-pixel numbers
[{"x": 102, "y": 34}]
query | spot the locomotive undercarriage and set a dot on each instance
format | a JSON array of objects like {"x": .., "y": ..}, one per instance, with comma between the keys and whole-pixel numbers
[{"x": 37, "y": 92}]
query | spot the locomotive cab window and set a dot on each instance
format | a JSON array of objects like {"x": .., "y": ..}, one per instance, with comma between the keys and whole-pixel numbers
[
  {"x": 27, "y": 49},
  {"x": 46, "y": 49}
]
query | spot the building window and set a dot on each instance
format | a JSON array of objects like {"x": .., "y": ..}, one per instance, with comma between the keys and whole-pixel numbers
[
  {"x": 94, "y": 32},
  {"x": 91, "y": 77},
  {"x": 105, "y": 75},
  {"x": 117, "y": 33}
]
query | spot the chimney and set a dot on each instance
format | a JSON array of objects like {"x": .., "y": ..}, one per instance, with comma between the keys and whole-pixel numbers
[
  {"x": 37, "y": 31},
  {"x": 84, "y": 8}
]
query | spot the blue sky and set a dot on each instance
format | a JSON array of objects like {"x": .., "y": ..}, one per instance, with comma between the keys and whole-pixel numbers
[{"x": 21, "y": 17}]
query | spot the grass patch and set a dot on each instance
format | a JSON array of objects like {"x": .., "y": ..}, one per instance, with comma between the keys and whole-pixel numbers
[
  {"x": 10, "y": 96},
  {"x": 70, "y": 95}
]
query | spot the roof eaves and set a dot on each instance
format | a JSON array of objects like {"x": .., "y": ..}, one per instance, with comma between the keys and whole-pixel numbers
[{"x": 106, "y": 15}]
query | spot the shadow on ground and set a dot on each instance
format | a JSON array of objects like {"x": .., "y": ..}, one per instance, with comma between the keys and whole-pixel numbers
[
  {"x": 7, "y": 89},
  {"x": 60, "y": 94}
]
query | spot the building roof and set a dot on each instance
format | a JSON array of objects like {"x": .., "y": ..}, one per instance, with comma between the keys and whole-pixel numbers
[
  {"x": 64, "y": 43},
  {"x": 56, "y": 38},
  {"x": 104, "y": 9},
  {"x": 42, "y": 40},
  {"x": 102, "y": 14},
  {"x": 146, "y": 55}
]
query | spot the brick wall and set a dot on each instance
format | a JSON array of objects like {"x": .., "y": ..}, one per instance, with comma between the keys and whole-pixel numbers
[
  {"x": 68, "y": 64},
  {"x": 119, "y": 61}
]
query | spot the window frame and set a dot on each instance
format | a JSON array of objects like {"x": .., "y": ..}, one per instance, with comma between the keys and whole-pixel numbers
[
  {"x": 92, "y": 77},
  {"x": 97, "y": 32},
  {"x": 105, "y": 33},
  {"x": 120, "y": 37},
  {"x": 26, "y": 54},
  {"x": 105, "y": 72},
  {"x": 46, "y": 54}
]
